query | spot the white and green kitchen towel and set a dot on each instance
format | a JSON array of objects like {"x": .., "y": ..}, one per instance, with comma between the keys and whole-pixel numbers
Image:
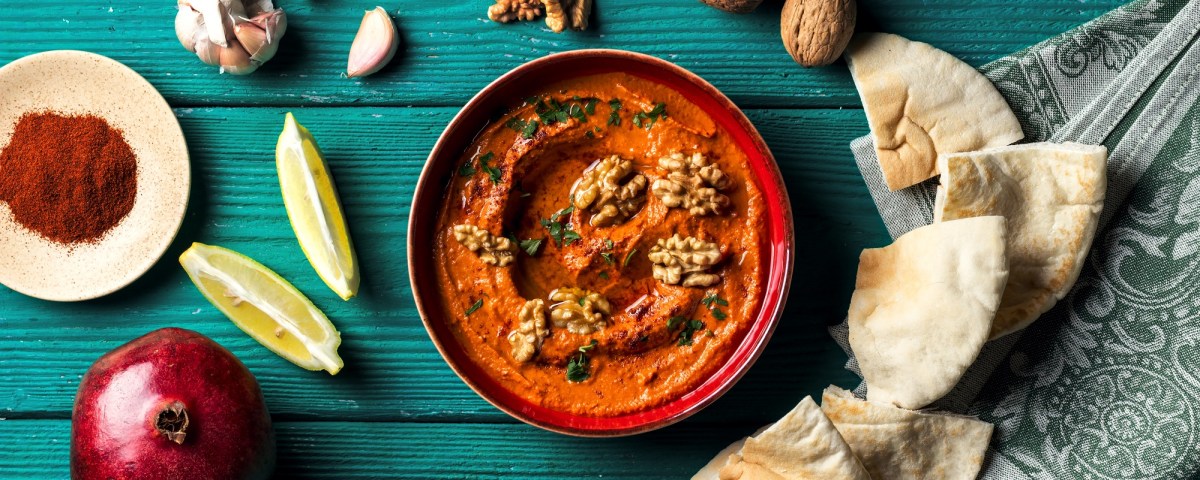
[{"x": 1107, "y": 384}]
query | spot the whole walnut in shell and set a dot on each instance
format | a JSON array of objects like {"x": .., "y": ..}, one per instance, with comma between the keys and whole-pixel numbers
[{"x": 815, "y": 32}]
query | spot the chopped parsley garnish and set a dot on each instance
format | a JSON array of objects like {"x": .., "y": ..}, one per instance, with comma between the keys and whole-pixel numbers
[
  {"x": 607, "y": 254},
  {"x": 475, "y": 306},
  {"x": 628, "y": 257},
  {"x": 604, "y": 275},
  {"x": 529, "y": 129},
  {"x": 550, "y": 111},
  {"x": 578, "y": 366},
  {"x": 493, "y": 172},
  {"x": 590, "y": 134},
  {"x": 690, "y": 327},
  {"x": 614, "y": 118},
  {"x": 582, "y": 301},
  {"x": 589, "y": 105},
  {"x": 531, "y": 245},
  {"x": 562, "y": 234},
  {"x": 562, "y": 213},
  {"x": 711, "y": 301},
  {"x": 647, "y": 119},
  {"x": 515, "y": 124},
  {"x": 466, "y": 169}
]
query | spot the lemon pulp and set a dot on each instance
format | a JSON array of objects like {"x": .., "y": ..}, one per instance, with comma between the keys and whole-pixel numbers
[
  {"x": 265, "y": 306},
  {"x": 313, "y": 207}
]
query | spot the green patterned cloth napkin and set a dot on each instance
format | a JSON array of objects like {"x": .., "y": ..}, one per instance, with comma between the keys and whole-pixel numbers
[{"x": 1107, "y": 384}]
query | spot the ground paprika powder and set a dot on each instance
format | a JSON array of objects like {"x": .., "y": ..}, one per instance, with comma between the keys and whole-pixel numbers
[{"x": 71, "y": 179}]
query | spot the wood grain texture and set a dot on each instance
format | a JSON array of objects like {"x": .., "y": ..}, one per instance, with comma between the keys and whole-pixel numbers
[
  {"x": 450, "y": 49},
  {"x": 397, "y": 409},
  {"x": 355, "y": 450},
  {"x": 393, "y": 373}
]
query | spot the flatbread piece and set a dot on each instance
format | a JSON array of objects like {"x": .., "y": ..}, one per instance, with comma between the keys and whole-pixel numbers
[
  {"x": 802, "y": 445},
  {"x": 921, "y": 101},
  {"x": 899, "y": 444},
  {"x": 1051, "y": 194},
  {"x": 923, "y": 306}
]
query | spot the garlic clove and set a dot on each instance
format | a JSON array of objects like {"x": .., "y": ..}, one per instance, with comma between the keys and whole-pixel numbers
[
  {"x": 214, "y": 18},
  {"x": 252, "y": 38},
  {"x": 374, "y": 45},
  {"x": 185, "y": 26},
  {"x": 208, "y": 52},
  {"x": 260, "y": 35},
  {"x": 235, "y": 60}
]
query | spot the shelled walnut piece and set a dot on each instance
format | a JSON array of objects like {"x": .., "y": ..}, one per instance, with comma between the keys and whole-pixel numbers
[
  {"x": 491, "y": 249},
  {"x": 527, "y": 339},
  {"x": 692, "y": 183},
  {"x": 685, "y": 261},
  {"x": 579, "y": 311},
  {"x": 600, "y": 191},
  {"x": 560, "y": 14},
  {"x": 505, "y": 11}
]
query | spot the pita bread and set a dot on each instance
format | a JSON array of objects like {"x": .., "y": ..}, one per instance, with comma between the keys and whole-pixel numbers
[
  {"x": 1051, "y": 195},
  {"x": 712, "y": 469},
  {"x": 921, "y": 101},
  {"x": 899, "y": 444},
  {"x": 923, "y": 306},
  {"x": 801, "y": 445}
]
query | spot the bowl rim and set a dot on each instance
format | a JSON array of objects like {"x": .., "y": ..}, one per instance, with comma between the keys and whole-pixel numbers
[{"x": 770, "y": 311}]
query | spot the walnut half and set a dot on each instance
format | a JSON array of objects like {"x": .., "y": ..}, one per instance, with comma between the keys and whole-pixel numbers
[
  {"x": 601, "y": 191},
  {"x": 692, "y": 183},
  {"x": 531, "y": 330},
  {"x": 561, "y": 14},
  {"x": 685, "y": 261},
  {"x": 491, "y": 249},
  {"x": 579, "y": 311},
  {"x": 504, "y": 11}
]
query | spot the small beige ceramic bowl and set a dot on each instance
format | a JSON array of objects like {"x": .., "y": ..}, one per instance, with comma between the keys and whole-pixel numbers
[{"x": 75, "y": 83}]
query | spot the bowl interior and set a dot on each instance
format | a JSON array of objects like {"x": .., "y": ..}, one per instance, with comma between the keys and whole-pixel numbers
[{"x": 492, "y": 102}]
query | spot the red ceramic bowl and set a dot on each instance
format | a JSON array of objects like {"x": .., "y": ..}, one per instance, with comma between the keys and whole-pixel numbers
[{"x": 472, "y": 119}]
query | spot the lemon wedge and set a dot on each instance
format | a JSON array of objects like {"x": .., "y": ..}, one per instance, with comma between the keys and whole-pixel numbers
[
  {"x": 313, "y": 207},
  {"x": 265, "y": 306}
]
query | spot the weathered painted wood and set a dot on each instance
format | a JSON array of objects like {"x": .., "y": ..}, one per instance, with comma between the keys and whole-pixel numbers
[
  {"x": 392, "y": 370},
  {"x": 451, "y": 50},
  {"x": 349, "y": 450}
]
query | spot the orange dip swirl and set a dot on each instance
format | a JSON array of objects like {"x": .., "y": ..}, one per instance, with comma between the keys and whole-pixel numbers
[{"x": 637, "y": 363}]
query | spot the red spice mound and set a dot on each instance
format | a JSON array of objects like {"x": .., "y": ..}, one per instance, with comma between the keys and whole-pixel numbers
[{"x": 69, "y": 178}]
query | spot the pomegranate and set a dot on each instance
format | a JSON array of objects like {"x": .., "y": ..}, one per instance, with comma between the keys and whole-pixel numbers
[{"x": 172, "y": 404}]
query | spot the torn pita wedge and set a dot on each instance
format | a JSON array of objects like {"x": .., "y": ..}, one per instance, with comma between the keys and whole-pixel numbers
[
  {"x": 712, "y": 469},
  {"x": 1051, "y": 195},
  {"x": 921, "y": 101},
  {"x": 923, "y": 306},
  {"x": 803, "y": 444},
  {"x": 900, "y": 444}
]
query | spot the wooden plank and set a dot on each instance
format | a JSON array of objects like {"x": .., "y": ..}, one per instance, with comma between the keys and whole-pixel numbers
[
  {"x": 348, "y": 450},
  {"x": 392, "y": 370},
  {"x": 742, "y": 55}
]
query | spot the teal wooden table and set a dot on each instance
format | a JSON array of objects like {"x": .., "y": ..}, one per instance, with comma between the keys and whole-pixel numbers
[{"x": 397, "y": 409}]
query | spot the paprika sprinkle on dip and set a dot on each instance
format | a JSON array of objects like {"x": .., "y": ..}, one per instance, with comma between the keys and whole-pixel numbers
[{"x": 70, "y": 179}]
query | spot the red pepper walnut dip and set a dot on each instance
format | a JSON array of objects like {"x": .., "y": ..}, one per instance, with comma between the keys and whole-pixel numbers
[
  {"x": 599, "y": 248},
  {"x": 70, "y": 179}
]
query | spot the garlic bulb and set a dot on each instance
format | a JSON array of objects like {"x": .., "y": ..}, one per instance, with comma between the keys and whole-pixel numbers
[
  {"x": 374, "y": 45},
  {"x": 237, "y": 35}
]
